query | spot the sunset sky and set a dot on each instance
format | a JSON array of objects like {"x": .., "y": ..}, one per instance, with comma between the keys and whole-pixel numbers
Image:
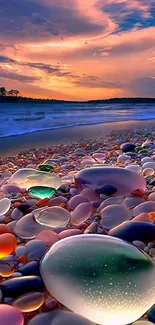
[{"x": 78, "y": 49}]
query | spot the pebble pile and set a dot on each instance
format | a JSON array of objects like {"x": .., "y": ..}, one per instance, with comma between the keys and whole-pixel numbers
[{"x": 77, "y": 233}]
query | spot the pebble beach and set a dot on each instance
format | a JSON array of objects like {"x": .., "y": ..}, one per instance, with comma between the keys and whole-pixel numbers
[{"x": 77, "y": 226}]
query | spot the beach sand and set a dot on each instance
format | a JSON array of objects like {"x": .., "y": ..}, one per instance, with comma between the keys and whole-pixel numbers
[{"x": 17, "y": 143}]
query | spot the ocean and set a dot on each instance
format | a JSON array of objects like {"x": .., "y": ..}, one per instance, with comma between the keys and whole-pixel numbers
[{"x": 26, "y": 118}]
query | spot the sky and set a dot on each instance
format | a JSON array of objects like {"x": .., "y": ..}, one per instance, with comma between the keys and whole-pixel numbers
[{"x": 78, "y": 49}]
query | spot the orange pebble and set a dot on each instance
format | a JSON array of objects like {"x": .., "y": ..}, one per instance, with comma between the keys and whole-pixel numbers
[
  {"x": 4, "y": 229},
  {"x": 57, "y": 169},
  {"x": 138, "y": 193},
  {"x": 6, "y": 270},
  {"x": 7, "y": 244},
  {"x": 151, "y": 215},
  {"x": 22, "y": 259},
  {"x": 42, "y": 202},
  {"x": 63, "y": 205}
]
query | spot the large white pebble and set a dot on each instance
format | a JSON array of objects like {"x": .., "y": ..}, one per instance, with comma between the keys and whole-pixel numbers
[{"x": 4, "y": 205}]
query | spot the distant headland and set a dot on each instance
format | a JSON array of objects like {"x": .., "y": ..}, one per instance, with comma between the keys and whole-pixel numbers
[{"x": 13, "y": 96}]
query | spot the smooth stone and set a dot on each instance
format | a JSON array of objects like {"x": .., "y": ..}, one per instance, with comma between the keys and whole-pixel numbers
[
  {"x": 16, "y": 214},
  {"x": 149, "y": 165},
  {"x": 64, "y": 268},
  {"x": 110, "y": 201},
  {"x": 151, "y": 197},
  {"x": 49, "y": 237},
  {"x": 73, "y": 191},
  {"x": 134, "y": 168},
  {"x": 18, "y": 286},
  {"x": 132, "y": 202},
  {"x": 2, "y": 218},
  {"x": 27, "y": 227},
  {"x": 53, "y": 217},
  {"x": 75, "y": 201},
  {"x": 91, "y": 195},
  {"x": 114, "y": 215},
  {"x": 60, "y": 229},
  {"x": 139, "y": 244},
  {"x": 46, "y": 168},
  {"x": 5, "y": 229},
  {"x": 35, "y": 249},
  {"x": 143, "y": 217},
  {"x": 12, "y": 224},
  {"x": 29, "y": 302},
  {"x": 92, "y": 229},
  {"x": 31, "y": 202},
  {"x": 24, "y": 208},
  {"x": 81, "y": 213},
  {"x": 41, "y": 192},
  {"x": 20, "y": 251},
  {"x": 107, "y": 190},
  {"x": 59, "y": 317},
  {"x": 131, "y": 231},
  {"x": 10, "y": 315},
  {"x": 6, "y": 270},
  {"x": 2, "y": 195},
  {"x": 51, "y": 303},
  {"x": 123, "y": 158},
  {"x": 4, "y": 205},
  {"x": 142, "y": 322},
  {"x": 7, "y": 244},
  {"x": 126, "y": 147},
  {"x": 124, "y": 180},
  {"x": 148, "y": 172},
  {"x": 56, "y": 201},
  {"x": 144, "y": 207},
  {"x": 31, "y": 268},
  {"x": 10, "y": 189},
  {"x": 27, "y": 177},
  {"x": 69, "y": 232},
  {"x": 16, "y": 275},
  {"x": 146, "y": 159}
]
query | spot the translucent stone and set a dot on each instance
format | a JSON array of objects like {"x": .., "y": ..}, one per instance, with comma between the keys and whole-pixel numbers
[
  {"x": 149, "y": 165},
  {"x": 6, "y": 270},
  {"x": 53, "y": 217},
  {"x": 10, "y": 315},
  {"x": 29, "y": 302},
  {"x": 46, "y": 168},
  {"x": 91, "y": 195},
  {"x": 7, "y": 244},
  {"x": 28, "y": 177},
  {"x": 4, "y": 205},
  {"x": 82, "y": 212},
  {"x": 99, "y": 156},
  {"x": 8, "y": 188},
  {"x": 113, "y": 215},
  {"x": 124, "y": 180},
  {"x": 41, "y": 192},
  {"x": 60, "y": 317},
  {"x": 48, "y": 236},
  {"x": 123, "y": 158},
  {"x": 146, "y": 159},
  {"x": 69, "y": 232},
  {"x": 35, "y": 249},
  {"x": 148, "y": 172},
  {"x": 76, "y": 200},
  {"x": 144, "y": 207},
  {"x": 132, "y": 202},
  {"x": 110, "y": 201},
  {"x": 28, "y": 227},
  {"x": 80, "y": 265}
]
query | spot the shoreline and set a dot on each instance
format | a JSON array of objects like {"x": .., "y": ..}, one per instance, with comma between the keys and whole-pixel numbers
[{"x": 16, "y": 143}]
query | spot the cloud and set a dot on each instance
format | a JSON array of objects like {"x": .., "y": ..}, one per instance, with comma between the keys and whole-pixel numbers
[
  {"x": 5, "y": 59},
  {"x": 144, "y": 86},
  {"x": 96, "y": 82},
  {"x": 15, "y": 76}
]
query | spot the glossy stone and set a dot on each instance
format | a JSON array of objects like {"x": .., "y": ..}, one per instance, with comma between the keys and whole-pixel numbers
[
  {"x": 137, "y": 230},
  {"x": 144, "y": 207},
  {"x": 82, "y": 212},
  {"x": 151, "y": 314},
  {"x": 76, "y": 200},
  {"x": 8, "y": 188},
  {"x": 4, "y": 205},
  {"x": 46, "y": 168},
  {"x": 27, "y": 227},
  {"x": 126, "y": 147},
  {"x": 10, "y": 315},
  {"x": 18, "y": 286},
  {"x": 31, "y": 268},
  {"x": 7, "y": 244},
  {"x": 49, "y": 237},
  {"x": 35, "y": 249},
  {"x": 27, "y": 177},
  {"x": 29, "y": 302},
  {"x": 124, "y": 180},
  {"x": 41, "y": 192},
  {"x": 114, "y": 215},
  {"x": 69, "y": 232},
  {"x": 53, "y": 217},
  {"x": 80, "y": 265}
]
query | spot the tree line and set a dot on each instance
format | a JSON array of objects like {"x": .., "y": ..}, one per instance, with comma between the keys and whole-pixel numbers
[{"x": 12, "y": 92}]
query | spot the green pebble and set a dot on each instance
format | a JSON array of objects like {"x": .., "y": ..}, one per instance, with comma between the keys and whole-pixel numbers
[
  {"x": 46, "y": 168},
  {"x": 143, "y": 151},
  {"x": 138, "y": 149},
  {"x": 41, "y": 192},
  {"x": 147, "y": 134}
]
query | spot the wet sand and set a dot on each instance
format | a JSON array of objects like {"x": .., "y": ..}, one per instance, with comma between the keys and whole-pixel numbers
[{"x": 17, "y": 143}]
